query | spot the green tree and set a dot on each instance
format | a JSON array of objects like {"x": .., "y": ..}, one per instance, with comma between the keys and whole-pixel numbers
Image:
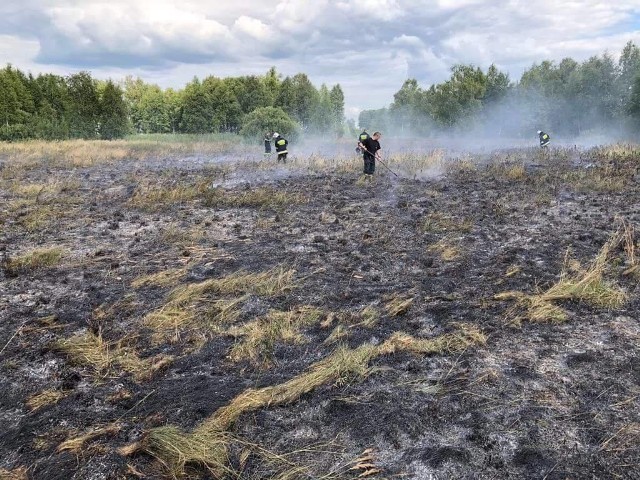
[
  {"x": 337, "y": 104},
  {"x": 269, "y": 119},
  {"x": 271, "y": 83},
  {"x": 306, "y": 99},
  {"x": 16, "y": 104},
  {"x": 114, "y": 120},
  {"x": 84, "y": 105},
  {"x": 197, "y": 115}
]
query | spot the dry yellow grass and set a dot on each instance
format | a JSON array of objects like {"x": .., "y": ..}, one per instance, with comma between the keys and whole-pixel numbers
[
  {"x": 36, "y": 259},
  {"x": 447, "y": 248},
  {"x": 440, "y": 223},
  {"x": 76, "y": 444},
  {"x": 465, "y": 337},
  {"x": 190, "y": 307},
  {"x": 198, "y": 319},
  {"x": 154, "y": 198},
  {"x": 165, "y": 278},
  {"x": 45, "y": 398},
  {"x": 399, "y": 305},
  {"x": 21, "y": 156},
  {"x": 258, "y": 338},
  {"x": 585, "y": 285},
  {"x": 90, "y": 350},
  {"x": 19, "y": 473},
  {"x": 208, "y": 444}
]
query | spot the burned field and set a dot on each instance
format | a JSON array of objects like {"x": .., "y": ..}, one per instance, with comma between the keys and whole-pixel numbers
[{"x": 163, "y": 318}]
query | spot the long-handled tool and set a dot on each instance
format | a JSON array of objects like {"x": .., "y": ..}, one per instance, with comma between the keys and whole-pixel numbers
[{"x": 378, "y": 158}]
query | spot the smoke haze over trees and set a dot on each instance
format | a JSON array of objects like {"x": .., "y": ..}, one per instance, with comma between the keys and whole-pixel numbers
[{"x": 567, "y": 98}]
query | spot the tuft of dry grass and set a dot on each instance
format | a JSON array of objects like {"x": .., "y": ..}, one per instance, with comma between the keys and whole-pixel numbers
[
  {"x": 440, "y": 223},
  {"x": 157, "y": 198},
  {"x": 76, "y": 444},
  {"x": 370, "y": 316},
  {"x": 37, "y": 259},
  {"x": 268, "y": 283},
  {"x": 176, "y": 319},
  {"x": 447, "y": 248},
  {"x": 19, "y": 473},
  {"x": 92, "y": 351},
  {"x": 165, "y": 278},
  {"x": 259, "y": 337},
  {"x": 189, "y": 308},
  {"x": 465, "y": 337},
  {"x": 45, "y": 398},
  {"x": 583, "y": 285},
  {"x": 399, "y": 305}
]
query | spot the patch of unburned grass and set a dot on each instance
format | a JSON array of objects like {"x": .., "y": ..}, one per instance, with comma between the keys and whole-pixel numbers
[
  {"x": 77, "y": 444},
  {"x": 208, "y": 445},
  {"x": 465, "y": 337},
  {"x": 45, "y": 398},
  {"x": 605, "y": 180},
  {"x": 399, "y": 305},
  {"x": 92, "y": 351},
  {"x": 258, "y": 338},
  {"x": 586, "y": 285},
  {"x": 156, "y": 198},
  {"x": 33, "y": 154},
  {"x": 440, "y": 223},
  {"x": 448, "y": 249},
  {"x": 513, "y": 172},
  {"x": 190, "y": 306},
  {"x": 182, "y": 237},
  {"x": 37, "y": 259},
  {"x": 19, "y": 473},
  {"x": 200, "y": 319},
  {"x": 268, "y": 283},
  {"x": 165, "y": 278}
]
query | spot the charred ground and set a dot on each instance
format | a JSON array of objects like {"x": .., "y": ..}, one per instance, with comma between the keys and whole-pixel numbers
[{"x": 265, "y": 282}]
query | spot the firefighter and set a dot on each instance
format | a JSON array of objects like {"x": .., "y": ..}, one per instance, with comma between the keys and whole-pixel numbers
[
  {"x": 361, "y": 138},
  {"x": 544, "y": 138},
  {"x": 267, "y": 144},
  {"x": 370, "y": 148},
  {"x": 281, "y": 147}
]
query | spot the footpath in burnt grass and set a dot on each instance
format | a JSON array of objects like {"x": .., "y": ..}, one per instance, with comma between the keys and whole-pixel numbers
[{"x": 481, "y": 324}]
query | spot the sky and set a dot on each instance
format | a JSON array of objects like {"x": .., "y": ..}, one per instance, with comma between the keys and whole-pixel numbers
[{"x": 369, "y": 47}]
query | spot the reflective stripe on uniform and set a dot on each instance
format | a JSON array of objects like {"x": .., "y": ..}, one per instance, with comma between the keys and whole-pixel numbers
[{"x": 282, "y": 151}]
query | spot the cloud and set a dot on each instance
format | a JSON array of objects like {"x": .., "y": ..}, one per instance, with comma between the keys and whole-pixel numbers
[
  {"x": 145, "y": 33},
  {"x": 368, "y": 46}
]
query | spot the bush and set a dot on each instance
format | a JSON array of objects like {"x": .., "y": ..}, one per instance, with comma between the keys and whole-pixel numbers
[{"x": 269, "y": 119}]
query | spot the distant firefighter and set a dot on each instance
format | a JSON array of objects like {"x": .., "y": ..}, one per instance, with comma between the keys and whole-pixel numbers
[
  {"x": 281, "y": 147},
  {"x": 267, "y": 144},
  {"x": 361, "y": 138},
  {"x": 544, "y": 138}
]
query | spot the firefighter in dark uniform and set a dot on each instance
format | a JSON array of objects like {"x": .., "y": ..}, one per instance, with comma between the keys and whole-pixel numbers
[
  {"x": 544, "y": 138},
  {"x": 281, "y": 147},
  {"x": 361, "y": 138},
  {"x": 267, "y": 144},
  {"x": 370, "y": 149}
]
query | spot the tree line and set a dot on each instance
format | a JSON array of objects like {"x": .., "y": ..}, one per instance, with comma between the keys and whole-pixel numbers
[
  {"x": 77, "y": 106},
  {"x": 568, "y": 98}
]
